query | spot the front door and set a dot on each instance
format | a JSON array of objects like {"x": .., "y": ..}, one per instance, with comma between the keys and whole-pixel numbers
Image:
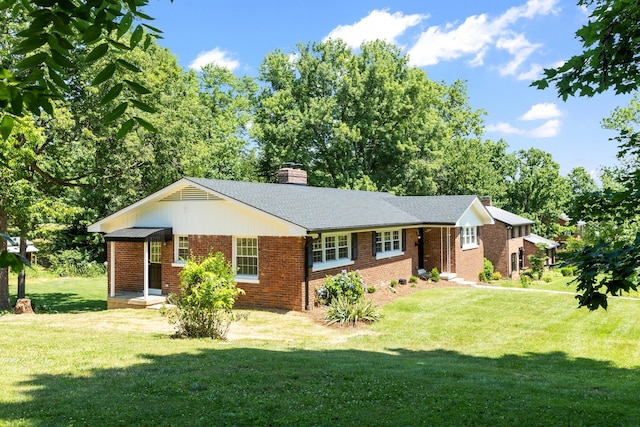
[{"x": 155, "y": 268}]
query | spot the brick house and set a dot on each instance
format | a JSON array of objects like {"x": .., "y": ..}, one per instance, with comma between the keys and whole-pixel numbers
[
  {"x": 509, "y": 241},
  {"x": 284, "y": 239}
]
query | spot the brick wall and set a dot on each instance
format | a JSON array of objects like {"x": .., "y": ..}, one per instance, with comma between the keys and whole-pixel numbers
[
  {"x": 280, "y": 275},
  {"x": 496, "y": 250},
  {"x": 129, "y": 268},
  {"x": 465, "y": 264},
  {"x": 469, "y": 262},
  {"x": 374, "y": 271}
]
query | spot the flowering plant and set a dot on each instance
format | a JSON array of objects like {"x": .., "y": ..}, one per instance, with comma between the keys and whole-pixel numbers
[{"x": 347, "y": 284}]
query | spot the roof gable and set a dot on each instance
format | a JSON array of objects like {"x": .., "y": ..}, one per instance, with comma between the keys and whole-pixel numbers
[{"x": 508, "y": 217}]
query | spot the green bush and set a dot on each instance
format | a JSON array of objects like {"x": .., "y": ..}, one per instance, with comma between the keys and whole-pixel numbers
[
  {"x": 342, "y": 310},
  {"x": 393, "y": 283},
  {"x": 75, "y": 263},
  {"x": 486, "y": 275},
  {"x": 568, "y": 271},
  {"x": 497, "y": 275},
  {"x": 526, "y": 278},
  {"x": 208, "y": 293},
  {"x": 349, "y": 285},
  {"x": 371, "y": 289},
  {"x": 413, "y": 279},
  {"x": 435, "y": 275}
]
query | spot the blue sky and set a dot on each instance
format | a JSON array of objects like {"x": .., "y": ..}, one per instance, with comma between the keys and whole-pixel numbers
[{"x": 498, "y": 47}]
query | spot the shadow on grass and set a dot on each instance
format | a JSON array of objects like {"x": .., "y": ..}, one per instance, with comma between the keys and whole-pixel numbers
[
  {"x": 63, "y": 302},
  {"x": 344, "y": 387}
]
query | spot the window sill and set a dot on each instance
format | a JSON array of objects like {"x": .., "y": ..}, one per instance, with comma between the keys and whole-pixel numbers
[
  {"x": 247, "y": 279},
  {"x": 385, "y": 255},
  {"x": 467, "y": 247},
  {"x": 178, "y": 264},
  {"x": 333, "y": 264}
]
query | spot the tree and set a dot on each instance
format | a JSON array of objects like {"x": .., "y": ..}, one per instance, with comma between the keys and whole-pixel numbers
[
  {"x": 609, "y": 60},
  {"x": 207, "y": 295},
  {"x": 611, "y": 40},
  {"x": 55, "y": 39},
  {"x": 361, "y": 120},
  {"x": 537, "y": 190}
]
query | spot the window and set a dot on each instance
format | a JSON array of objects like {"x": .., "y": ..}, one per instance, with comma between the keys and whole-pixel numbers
[
  {"x": 388, "y": 242},
  {"x": 247, "y": 256},
  {"x": 182, "y": 248},
  {"x": 331, "y": 248},
  {"x": 156, "y": 253},
  {"x": 469, "y": 237}
]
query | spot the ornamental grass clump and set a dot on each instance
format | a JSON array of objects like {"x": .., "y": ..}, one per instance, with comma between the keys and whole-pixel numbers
[
  {"x": 344, "y": 296},
  {"x": 204, "y": 306}
]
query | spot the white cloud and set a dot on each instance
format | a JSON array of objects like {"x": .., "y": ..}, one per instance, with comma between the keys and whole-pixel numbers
[
  {"x": 535, "y": 71},
  {"x": 542, "y": 111},
  {"x": 216, "y": 56},
  {"x": 520, "y": 48},
  {"x": 479, "y": 33},
  {"x": 378, "y": 25},
  {"x": 505, "y": 128},
  {"x": 549, "y": 129}
]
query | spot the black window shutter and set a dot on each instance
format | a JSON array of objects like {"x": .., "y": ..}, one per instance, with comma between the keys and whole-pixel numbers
[
  {"x": 354, "y": 246},
  {"x": 309, "y": 253},
  {"x": 404, "y": 239},
  {"x": 373, "y": 243}
]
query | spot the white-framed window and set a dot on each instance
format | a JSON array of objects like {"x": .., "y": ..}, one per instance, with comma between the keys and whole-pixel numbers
[
  {"x": 155, "y": 256},
  {"x": 246, "y": 258},
  {"x": 469, "y": 236},
  {"x": 331, "y": 250},
  {"x": 181, "y": 250},
  {"x": 388, "y": 243}
]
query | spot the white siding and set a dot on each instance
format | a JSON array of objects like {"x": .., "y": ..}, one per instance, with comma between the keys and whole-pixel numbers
[{"x": 210, "y": 217}]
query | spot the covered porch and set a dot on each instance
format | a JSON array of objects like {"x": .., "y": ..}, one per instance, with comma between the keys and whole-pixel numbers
[{"x": 135, "y": 270}]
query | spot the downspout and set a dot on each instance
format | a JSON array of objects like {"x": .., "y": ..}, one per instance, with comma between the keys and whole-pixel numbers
[{"x": 307, "y": 254}]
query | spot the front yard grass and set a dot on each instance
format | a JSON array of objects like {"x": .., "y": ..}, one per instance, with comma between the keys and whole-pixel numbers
[{"x": 451, "y": 356}]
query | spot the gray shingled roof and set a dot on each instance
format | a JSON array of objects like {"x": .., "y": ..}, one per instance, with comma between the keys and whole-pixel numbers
[
  {"x": 507, "y": 217},
  {"x": 535, "y": 239},
  {"x": 320, "y": 209},
  {"x": 434, "y": 209}
]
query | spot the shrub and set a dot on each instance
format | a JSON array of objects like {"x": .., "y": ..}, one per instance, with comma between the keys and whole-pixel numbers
[
  {"x": 435, "y": 275},
  {"x": 497, "y": 275},
  {"x": 74, "y": 263},
  {"x": 393, "y": 283},
  {"x": 547, "y": 278},
  {"x": 537, "y": 260},
  {"x": 413, "y": 279},
  {"x": 371, "y": 289},
  {"x": 342, "y": 310},
  {"x": 349, "y": 285},
  {"x": 486, "y": 275},
  {"x": 208, "y": 292},
  {"x": 567, "y": 271}
]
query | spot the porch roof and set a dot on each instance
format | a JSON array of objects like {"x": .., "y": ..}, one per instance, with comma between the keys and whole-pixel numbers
[{"x": 140, "y": 234}]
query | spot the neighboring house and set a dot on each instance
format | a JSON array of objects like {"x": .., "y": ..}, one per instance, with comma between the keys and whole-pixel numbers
[
  {"x": 284, "y": 239},
  {"x": 504, "y": 241},
  {"x": 31, "y": 249},
  {"x": 530, "y": 247}
]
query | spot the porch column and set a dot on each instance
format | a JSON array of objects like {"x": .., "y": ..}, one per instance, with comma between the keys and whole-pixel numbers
[
  {"x": 448, "y": 249},
  {"x": 112, "y": 269},
  {"x": 146, "y": 270}
]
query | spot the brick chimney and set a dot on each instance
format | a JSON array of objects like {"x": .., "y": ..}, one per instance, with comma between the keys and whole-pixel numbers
[
  {"x": 486, "y": 200},
  {"x": 292, "y": 174}
]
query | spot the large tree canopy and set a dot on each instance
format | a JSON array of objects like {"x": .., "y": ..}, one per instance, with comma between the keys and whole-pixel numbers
[{"x": 358, "y": 120}]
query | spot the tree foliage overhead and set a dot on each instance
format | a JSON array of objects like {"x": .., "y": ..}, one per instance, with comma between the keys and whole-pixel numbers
[
  {"x": 610, "y": 60},
  {"x": 59, "y": 37},
  {"x": 364, "y": 120},
  {"x": 611, "y": 42}
]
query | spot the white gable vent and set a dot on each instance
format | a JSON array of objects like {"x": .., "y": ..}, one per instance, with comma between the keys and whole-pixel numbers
[{"x": 189, "y": 193}]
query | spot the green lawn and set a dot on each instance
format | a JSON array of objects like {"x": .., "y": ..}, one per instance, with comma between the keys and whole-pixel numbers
[{"x": 457, "y": 356}]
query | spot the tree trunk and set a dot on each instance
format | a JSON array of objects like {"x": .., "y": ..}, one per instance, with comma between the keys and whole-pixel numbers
[
  {"x": 22, "y": 275},
  {"x": 5, "y": 304}
]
